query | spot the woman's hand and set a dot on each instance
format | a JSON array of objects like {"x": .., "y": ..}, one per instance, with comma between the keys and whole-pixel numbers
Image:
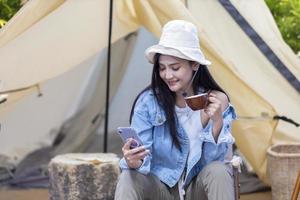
[
  {"x": 218, "y": 101},
  {"x": 134, "y": 157},
  {"x": 214, "y": 108}
]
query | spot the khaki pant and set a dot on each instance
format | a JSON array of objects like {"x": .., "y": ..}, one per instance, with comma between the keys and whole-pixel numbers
[{"x": 214, "y": 182}]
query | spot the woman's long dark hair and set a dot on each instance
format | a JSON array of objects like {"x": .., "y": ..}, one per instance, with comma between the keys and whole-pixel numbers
[{"x": 167, "y": 99}]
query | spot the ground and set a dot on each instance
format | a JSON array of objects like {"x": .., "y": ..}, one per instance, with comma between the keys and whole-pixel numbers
[{"x": 42, "y": 194}]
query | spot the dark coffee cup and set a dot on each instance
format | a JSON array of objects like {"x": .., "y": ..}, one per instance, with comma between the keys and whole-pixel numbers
[{"x": 197, "y": 102}]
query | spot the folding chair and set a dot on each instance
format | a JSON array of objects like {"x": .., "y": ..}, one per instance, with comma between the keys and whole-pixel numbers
[
  {"x": 236, "y": 168},
  {"x": 296, "y": 188}
]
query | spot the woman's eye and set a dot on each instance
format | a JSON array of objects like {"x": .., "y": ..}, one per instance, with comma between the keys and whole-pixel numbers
[
  {"x": 162, "y": 68},
  {"x": 176, "y": 68}
]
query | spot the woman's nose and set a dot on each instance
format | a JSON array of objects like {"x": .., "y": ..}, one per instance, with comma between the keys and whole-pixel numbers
[{"x": 169, "y": 74}]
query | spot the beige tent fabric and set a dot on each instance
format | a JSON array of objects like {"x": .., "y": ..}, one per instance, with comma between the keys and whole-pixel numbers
[
  {"x": 280, "y": 88},
  {"x": 13, "y": 98},
  {"x": 68, "y": 35},
  {"x": 29, "y": 14},
  {"x": 268, "y": 30},
  {"x": 34, "y": 45},
  {"x": 153, "y": 14},
  {"x": 82, "y": 126},
  {"x": 287, "y": 101}
]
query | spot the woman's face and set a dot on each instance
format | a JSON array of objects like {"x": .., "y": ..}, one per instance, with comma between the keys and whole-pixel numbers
[{"x": 176, "y": 73}]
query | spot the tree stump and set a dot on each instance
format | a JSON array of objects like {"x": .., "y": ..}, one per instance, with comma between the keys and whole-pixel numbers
[{"x": 83, "y": 176}]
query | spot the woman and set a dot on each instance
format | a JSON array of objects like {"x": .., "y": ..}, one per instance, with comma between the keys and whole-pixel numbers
[{"x": 184, "y": 152}]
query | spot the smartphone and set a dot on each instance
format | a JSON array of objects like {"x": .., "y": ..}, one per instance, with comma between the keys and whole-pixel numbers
[{"x": 127, "y": 133}]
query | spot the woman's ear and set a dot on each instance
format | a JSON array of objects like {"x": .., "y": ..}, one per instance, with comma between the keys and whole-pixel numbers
[{"x": 195, "y": 66}]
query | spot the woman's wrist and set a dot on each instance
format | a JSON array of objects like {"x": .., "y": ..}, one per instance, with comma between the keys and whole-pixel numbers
[
  {"x": 217, "y": 118},
  {"x": 217, "y": 127},
  {"x": 135, "y": 165}
]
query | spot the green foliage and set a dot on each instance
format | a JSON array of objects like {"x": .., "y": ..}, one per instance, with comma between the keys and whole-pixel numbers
[
  {"x": 2, "y": 23},
  {"x": 287, "y": 17},
  {"x": 7, "y": 9}
]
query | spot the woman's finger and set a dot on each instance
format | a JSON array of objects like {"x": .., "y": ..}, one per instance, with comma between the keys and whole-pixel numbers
[
  {"x": 127, "y": 145},
  {"x": 137, "y": 149},
  {"x": 137, "y": 156},
  {"x": 212, "y": 94},
  {"x": 131, "y": 152},
  {"x": 140, "y": 156},
  {"x": 215, "y": 106},
  {"x": 213, "y": 100},
  {"x": 211, "y": 110}
]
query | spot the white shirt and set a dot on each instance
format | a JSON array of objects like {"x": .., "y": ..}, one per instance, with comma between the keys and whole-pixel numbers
[{"x": 191, "y": 123}]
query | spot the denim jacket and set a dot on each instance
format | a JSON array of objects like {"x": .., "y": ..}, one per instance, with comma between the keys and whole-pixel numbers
[{"x": 165, "y": 160}]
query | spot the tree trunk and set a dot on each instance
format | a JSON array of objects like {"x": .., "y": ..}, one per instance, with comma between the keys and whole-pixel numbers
[{"x": 83, "y": 176}]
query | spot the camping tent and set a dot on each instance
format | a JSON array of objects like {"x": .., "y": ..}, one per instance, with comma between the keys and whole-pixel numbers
[{"x": 39, "y": 52}]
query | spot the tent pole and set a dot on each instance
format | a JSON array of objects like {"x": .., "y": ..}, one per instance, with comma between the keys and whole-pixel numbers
[{"x": 108, "y": 78}]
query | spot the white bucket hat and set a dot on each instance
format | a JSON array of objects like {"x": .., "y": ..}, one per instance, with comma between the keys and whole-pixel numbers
[{"x": 179, "y": 38}]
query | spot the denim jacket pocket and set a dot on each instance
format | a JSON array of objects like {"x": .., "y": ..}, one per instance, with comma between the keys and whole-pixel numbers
[{"x": 157, "y": 119}]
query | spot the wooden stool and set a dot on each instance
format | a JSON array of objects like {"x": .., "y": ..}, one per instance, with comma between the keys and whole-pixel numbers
[{"x": 83, "y": 176}]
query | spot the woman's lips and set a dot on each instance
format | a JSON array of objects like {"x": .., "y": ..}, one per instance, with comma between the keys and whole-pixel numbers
[{"x": 172, "y": 83}]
